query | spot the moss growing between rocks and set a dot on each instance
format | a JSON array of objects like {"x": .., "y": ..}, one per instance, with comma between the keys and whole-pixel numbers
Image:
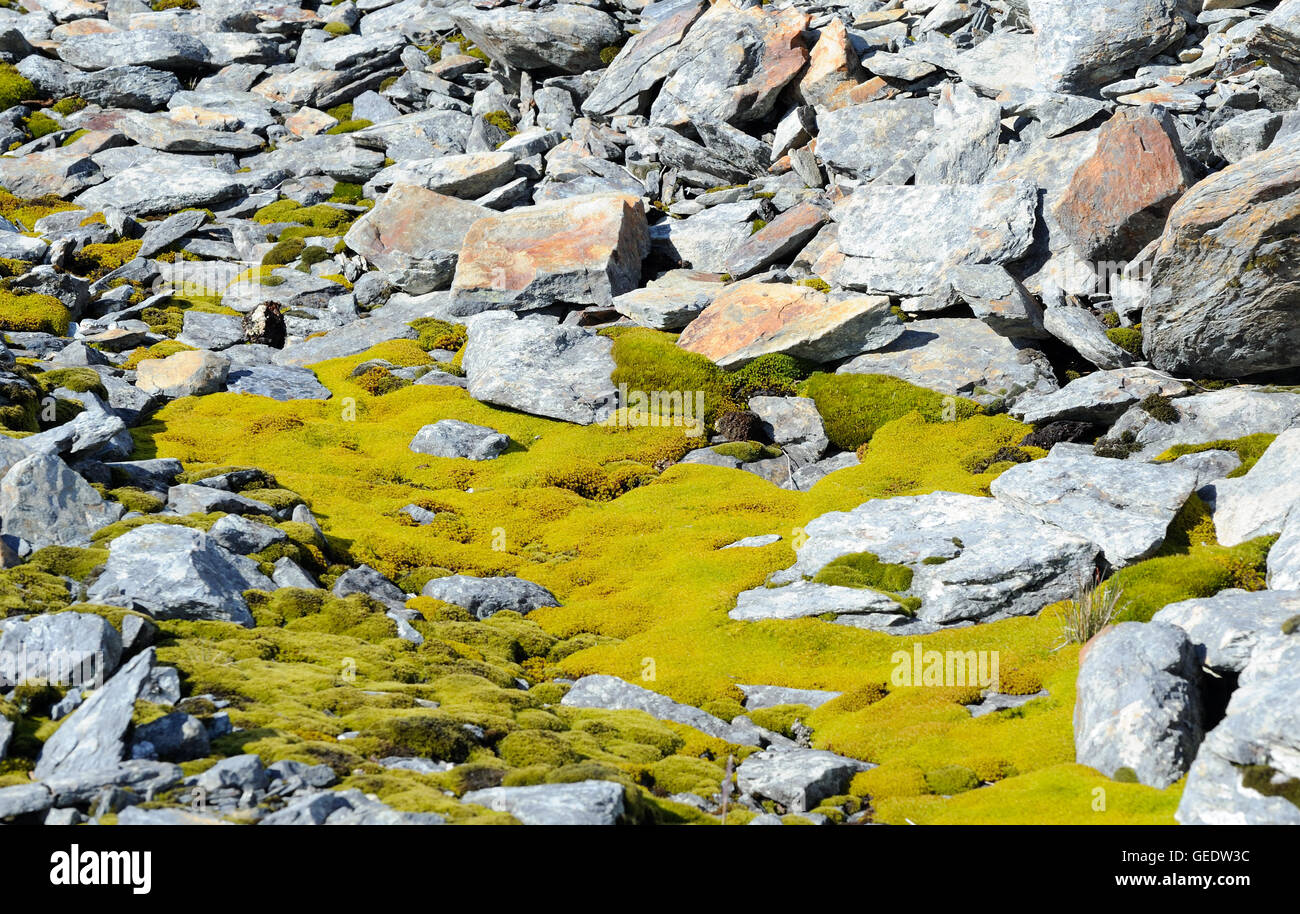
[
  {"x": 337, "y": 28},
  {"x": 26, "y": 589},
  {"x": 773, "y": 374},
  {"x": 436, "y": 334},
  {"x": 156, "y": 351},
  {"x": 40, "y": 124},
  {"x": 1202, "y": 571},
  {"x": 284, "y": 252},
  {"x": 854, "y": 406},
  {"x": 1249, "y": 449},
  {"x": 865, "y": 570},
  {"x": 14, "y": 87},
  {"x": 67, "y": 561},
  {"x": 1160, "y": 408},
  {"x": 1127, "y": 338},
  {"x": 349, "y": 126},
  {"x": 33, "y": 313},
  {"x": 78, "y": 379},
  {"x": 96, "y": 261},
  {"x": 70, "y": 104},
  {"x": 747, "y": 451}
]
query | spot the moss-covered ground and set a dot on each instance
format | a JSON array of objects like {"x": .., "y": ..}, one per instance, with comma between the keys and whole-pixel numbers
[{"x": 632, "y": 550}]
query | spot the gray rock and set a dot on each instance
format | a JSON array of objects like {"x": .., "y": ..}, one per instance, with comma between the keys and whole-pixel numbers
[
  {"x": 176, "y": 737},
  {"x": 288, "y": 573},
  {"x": 999, "y": 300},
  {"x": 1212, "y": 416},
  {"x": 277, "y": 382},
  {"x": 865, "y": 140},
  {"x": 706, "y": 240},
  {"x": 365, "y": 580},
  {"x": 769, "y": 696},
  {"x": 1257, "y": 504},
  {"x": 581, "y": 803},
  {"x": 47, "y": 504},
  {"x": 672, "y": 301},
  {"x": 158, "y": 186},
  {"x": 1245, "y": 134},
  {"x": 540, "y": 368},
  {"x": 1084, "y": 332},
  {"x": 69, "y": 649},
  {"x": 610, "y": 692},
  {"x": 805, "y": 599},
  {"x": 1256, "y": 740},
  {"x": 210, "y": 331},
  {"x": 93, "y": 736},
  {"x": 167, "y": 50},
  {"x": 127, "y": 86},
  {"x": 242, "y": 772},
  {"x": 566, "y": 37},
  {"x": 1228, "y": 627},
  {"x": 1125, "y": 507},
  {"x": 999, "y": 702},
  {"x": 1138, "y": 706},
  {"x": 24, "y": 799},
  {"x": 207, "y": 499},
  {"x": 175, "y": 572},
  {"x": 243, "y": 536},
  {"x": 142, "y": 777},
  {"x": 794, "y": 424},
  {"x": 996, "y": 562},
  {"x": 484, "y": 597},
  {"x": 1100, "y": 397},
  {"x": 454, "y": 438},
  {"x": 805, "y": 477},
  {"x": 960, "y": 357},
  {"x": 643, "y": 63},
  {"x": 754, "y": 542},
  {"x": 798, "y": 779}
]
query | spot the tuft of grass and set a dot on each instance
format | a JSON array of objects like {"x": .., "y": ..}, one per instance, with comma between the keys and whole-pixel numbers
[{"x": 1092, "y": 609}]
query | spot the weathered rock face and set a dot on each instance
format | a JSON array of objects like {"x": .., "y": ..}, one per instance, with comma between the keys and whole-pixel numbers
[
  {"x": 866, "y": 140},
  {"x": 643, "y": 63},
  {"x": 537, "y": 367},
  {"x": 453, "y": 438},
  {"x": 1224, "y": 285},
  {"x": 672, "y": 301},
  {"x": 1212, "y": 416},
  {"x": 1119, "y": 198},
  {"x": 47, "y": 504},
  {"x": 1082, "y": 45},
  {"x": 1124, "y": 507},
  {"x": 1102, "y": 396},
  {"x": 1229, "y": 627},
  {"x": 996, "y": 562},
  {"x": 752, "y": 319},
  {"x": 961, "y": 357},
  {"x": 1138, "y": 706},
  {"x": 583, "y": 803},
  {"x": 566, "y": 37},
  {"x": 70, "y": 649},
  {"x": 415, "y": 236},
  {"x": 1258, "y": 503},
  {"x": 485, "y": 597},
  {"x": 732, "y": 65},
  {"x": 798, "y": 779},
  {"x": 581, "y": 251},
  {"x": 175, "y": 572}
]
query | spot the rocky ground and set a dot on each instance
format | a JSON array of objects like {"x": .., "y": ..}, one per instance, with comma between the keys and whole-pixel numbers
[{"x": 436, "y": 412}]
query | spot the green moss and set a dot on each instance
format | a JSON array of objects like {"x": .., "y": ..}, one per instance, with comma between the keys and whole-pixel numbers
[
  {"x": 41, "y": 124},
  {"x": 73, "y": 137},
  {"x": 1202, "y": 571},
  {"x": 96, "y": 261},
  {"x": 346, "y": 192},
  {"x": 747, "y": 451},
  {"x": 607, "y": 54},
  {"x": 135, "y": 499},
  {"x": 67, "y": 561},
  {"x": 33, "y": 313},
  {"x": 502, "y": 121},
  {"x": 1249, "y": 449},
  {"x": 757, "y": 226},
  {"x": 341, "y": 112},
  {"x": 773, "y": 374},
  {"x": 951, "y": 779},
  {"x": 436, "y": 334},
  {"x": 854, "y": 406},
  {"x": 1127, "y": 338},
  {"x": 14, "y": 87},
  {"x": 26, "y": 589},
  {"x": 337, "y": 28},
  {"x": 284, "y": 252},
  {"x": 864, "y": 569},
  {"x": 156, "y": 351},
  {"x": 159, "y": 6},
  {"x": 820, "y": 285},
  {"x": 70, "y": 104},
  {"x": 1160, "y": 408},
  {"x": 78, "y": 379},
  {"x": 349, "y": 126},
  {"x": 1265, "y": 780}
]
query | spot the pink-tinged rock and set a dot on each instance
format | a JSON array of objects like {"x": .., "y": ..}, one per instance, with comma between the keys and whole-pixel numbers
[
  {"x": 579, "y": 251},
  {"x": 1119, "y": 197},
  {"x": 60, "y": 172},
  {"x": 185, "y": 374},
  {"x": 414, "y": 236},
  {"x": 752, "y": 319}
]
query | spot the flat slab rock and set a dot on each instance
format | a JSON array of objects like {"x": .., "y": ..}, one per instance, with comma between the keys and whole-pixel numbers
[
  {"x": 1102, "y": 396},
  {"x": 454, "y": 438},
  {"x": 986, "y": 560},
  {"x": 798, "y": 779},
  {"x": 961, "y": 357},
  {"x": 1123, "y": 506},
  {"x": 610, "y": 692},
  {"x": 583, "y": 803}
]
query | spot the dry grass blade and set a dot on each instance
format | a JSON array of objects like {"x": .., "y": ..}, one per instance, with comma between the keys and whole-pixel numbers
[{"x": 1092, "y": 609}]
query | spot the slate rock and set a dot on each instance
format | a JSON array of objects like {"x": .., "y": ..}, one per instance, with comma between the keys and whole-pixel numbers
[
  {"x": 580, "y": 803},
  {"x": 454, "y": 438},
  {"x": 484, "y": 597}
]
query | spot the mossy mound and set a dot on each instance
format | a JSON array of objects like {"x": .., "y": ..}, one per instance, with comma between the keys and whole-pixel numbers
[{"x": 33, "y": 313}]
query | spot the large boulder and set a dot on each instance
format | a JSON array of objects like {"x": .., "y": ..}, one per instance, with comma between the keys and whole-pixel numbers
[
  {"x": 414, "y": 235},
  {"x": 579, "y": 251},
  {"x": 643, "y": 63},
  {"x": 751, "y": 319},
  {"x": 175, "y": 572},
  {"x": 1223, "y": 284},
  {"x": 47, "y": 504},
  {"x": 566, "y": 37},
  {"x": 192, "y": 373},
  {"x": 1082, "y": 44},
  {"x": 454, "y": 438},
  {"x": 1124, "y": 507},
  {"x": 1138, "y": 703},
  {"x": 69, "y": 649},
  {"x": 539, "y": 367},
  {"x": 94, "y": 736},
  {"x": 484, "y": 597},
  {"x": 969, "y": 558}
]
